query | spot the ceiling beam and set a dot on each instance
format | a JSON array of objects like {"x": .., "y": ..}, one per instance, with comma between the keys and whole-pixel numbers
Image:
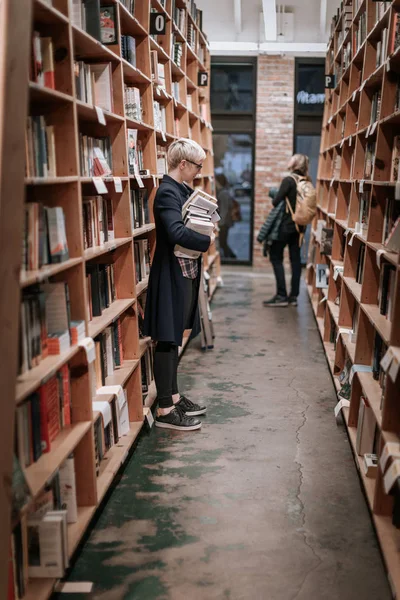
[
  {"x": 269, "y": 10},
  {"x": 253, "y": 49},
  {"x": 237, "y": 10}
]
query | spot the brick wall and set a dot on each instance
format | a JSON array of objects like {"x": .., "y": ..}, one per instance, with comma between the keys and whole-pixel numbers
[{"x": 274, "y": 135}]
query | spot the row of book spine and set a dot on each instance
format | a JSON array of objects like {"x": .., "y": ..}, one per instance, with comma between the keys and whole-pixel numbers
[
  {"x": 101, "y": 290},
  {"x": 98, "y": 221},
  {"x": 44, "y": 240}
]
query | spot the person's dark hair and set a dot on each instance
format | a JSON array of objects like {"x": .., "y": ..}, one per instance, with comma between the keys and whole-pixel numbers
[{"x": 222, "y": 180}]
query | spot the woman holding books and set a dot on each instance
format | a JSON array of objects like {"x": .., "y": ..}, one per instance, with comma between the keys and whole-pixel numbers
[
  {"x": 173, "y": 291},
  {"x": 289, "y": 235}
]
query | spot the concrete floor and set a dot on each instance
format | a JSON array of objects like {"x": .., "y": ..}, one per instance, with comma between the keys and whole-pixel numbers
[{"x": 264, "y": 503}]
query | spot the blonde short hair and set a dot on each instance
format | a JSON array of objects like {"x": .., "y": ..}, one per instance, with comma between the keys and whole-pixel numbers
[
  {"x": 299, "y": 162},
  {"x": 184, "y": 149}
]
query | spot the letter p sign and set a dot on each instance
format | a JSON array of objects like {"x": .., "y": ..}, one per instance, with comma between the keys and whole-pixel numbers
[
  {"x": 202, "y": 79},
  {"x": 330, "y": 82}
]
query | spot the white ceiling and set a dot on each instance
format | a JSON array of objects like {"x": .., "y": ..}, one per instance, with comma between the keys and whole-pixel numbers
[{"x": 237, "y": 26}]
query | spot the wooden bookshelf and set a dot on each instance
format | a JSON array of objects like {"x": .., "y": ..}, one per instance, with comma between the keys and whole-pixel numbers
[
  {"x": 70, "y": 117},
  {"x": 357, "y": 195}
]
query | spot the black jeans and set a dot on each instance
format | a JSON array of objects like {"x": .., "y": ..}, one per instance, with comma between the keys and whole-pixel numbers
[
  {"x": 276, "y": 256},
  {"x": 166, "y": 354}
]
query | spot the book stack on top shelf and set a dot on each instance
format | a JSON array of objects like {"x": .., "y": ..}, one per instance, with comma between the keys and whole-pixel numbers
[
  {"x": 356, "y": 244},
  {"x": 105, "y": 100}
]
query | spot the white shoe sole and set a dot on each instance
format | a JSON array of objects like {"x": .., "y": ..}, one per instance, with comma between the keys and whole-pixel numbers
[
  {"x": 177, "y": 427},
  {"x": 196, "y": 413}
]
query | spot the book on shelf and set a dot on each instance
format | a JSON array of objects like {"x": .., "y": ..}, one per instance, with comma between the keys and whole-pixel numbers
[
  {"x": 42, "y": 61},
  {"x": 128, "y": 49},
  {"x": 177, "y": 127},
  {"x": 94, "y": 84},
  {"x": 363, "y": 215},
  {"x": 365, "y": 428},
  {"x": 162, "y": 165},
  {"x": 100, "y": 282},
  {"x": 382, "y": 48},
  {"x": 68, "y": 489},
  {"x": 392, "y": 212},
  {"x": 129, "y": 5},
  {"x": 379, "y": 352},
  {"x": 392, "y": 242},
  {"x": 48, "y": 545},
  {"x": 98, "y": 221},
  {"x": 369, "y": 159},
  {"x": 160, "y": 117},
  {"x": 45, "y": 323},
  {"x": 40, "y": 148},
  {"x": 375, "y": 107},
  {"x": 85, "y": 14},
  {"x": 179, "y": 18},
  {"x": 395, "y": 39},
  {"x": 176, "y": 50},
  {"x": 386, "y": 294},
  {"x": 176, "y": 90},
  {"x": 146, "y": 365},
  {"x": 18, "y": 567},
  {"x": 95, "y": 156},
  {"x": 21, "y": 493},
  {"x": 141, "y": 306},
  {"x": 133, "y": 103},
  {"x": 44, "y": 237},
  {"x": 394, "y": 170},
  {"x": 142, "y": 259},
  {"x": 360, "y": 263},
  {"x": 380, "y": 9},
  {"x": 109, "y": 354},
  {"x": 326, "y": 241},
  {"x": 355, "y": 320},
  {"x": 139, "y": 204},
  {"x": 41, "y": 417},
  {"x": 108, "y": 24},
  {"x": 360, "y": 32}
]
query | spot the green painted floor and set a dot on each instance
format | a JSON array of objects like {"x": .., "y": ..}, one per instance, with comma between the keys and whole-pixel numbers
[{"x": 264, "y": 502}]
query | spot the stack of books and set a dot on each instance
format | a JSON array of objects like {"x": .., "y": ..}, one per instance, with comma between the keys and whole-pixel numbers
[
  {"x": 200, "y": 214},
  {"x": 94, "y": 84}
]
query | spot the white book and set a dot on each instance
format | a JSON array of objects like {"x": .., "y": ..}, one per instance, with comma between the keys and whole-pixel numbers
[
  {"x": 181, "y": 252},
  {"x": 57, "y": 234},
  {"x": 76, "y": 13},
  {"x": 102, "y": 85},
  {"x": 57, "y": 317},
  {"x": 202, "y": 200},
  {"x": 68, "y": 489},
  {"x": 109, "y": 351},
  {"x": 61, "y": 516},
  {"x": 46, "y": 547}
]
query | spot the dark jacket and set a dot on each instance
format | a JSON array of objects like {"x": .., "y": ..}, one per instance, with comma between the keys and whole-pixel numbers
[
  {"x": 165, "y": 302},
  {"x": 270, "y": 231},
  {"x": 288, "y": 189}
]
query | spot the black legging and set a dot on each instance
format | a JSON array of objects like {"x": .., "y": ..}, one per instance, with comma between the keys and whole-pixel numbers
[{"x": 166, "y": 354}]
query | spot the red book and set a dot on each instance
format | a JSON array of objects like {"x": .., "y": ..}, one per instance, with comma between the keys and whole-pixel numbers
[
  {"x": 121, "y": 352},
  {"x": 49, "y": 413},
  {"x": 67, "y": 394}
]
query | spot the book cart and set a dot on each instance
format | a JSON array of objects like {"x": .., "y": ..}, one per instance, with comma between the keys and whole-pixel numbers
[
  {"x": 353, "y": 278},
  {"x": 55, "y": 106}
]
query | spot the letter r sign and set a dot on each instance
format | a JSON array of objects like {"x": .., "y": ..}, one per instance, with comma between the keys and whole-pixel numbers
[
  {"x": 202, "y": 79},
  {"x": 330, "y": 81}
]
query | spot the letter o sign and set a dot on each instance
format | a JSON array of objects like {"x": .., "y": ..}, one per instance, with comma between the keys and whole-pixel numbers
[{"x": 158, "y": 23}]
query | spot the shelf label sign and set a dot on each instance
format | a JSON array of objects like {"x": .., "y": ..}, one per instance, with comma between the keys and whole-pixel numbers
[
  {"x": 158, "y": 23},
  {"x": 330, "y": 82},
  {"x": 202, "y": 79}
]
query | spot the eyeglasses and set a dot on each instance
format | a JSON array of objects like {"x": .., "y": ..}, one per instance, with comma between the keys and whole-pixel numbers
[{"x": 193, "y": 163}]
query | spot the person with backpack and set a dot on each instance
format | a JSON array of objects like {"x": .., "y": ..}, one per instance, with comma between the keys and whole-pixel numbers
[{"x": 298, "y": 194}]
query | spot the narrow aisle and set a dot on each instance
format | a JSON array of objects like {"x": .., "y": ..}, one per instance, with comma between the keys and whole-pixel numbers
[{"x": 264, "y": 502}]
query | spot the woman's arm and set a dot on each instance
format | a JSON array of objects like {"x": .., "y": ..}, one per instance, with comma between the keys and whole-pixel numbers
[
  {"x": 170, "y": 212},
  {"x": 283, "y": 191}
]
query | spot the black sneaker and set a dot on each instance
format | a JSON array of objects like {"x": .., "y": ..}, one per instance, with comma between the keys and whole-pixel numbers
[
  {"x": 190, "y": 408},
  {"x": 292, "y": 301},
  {"x": 276, "y": 301},
  {"x": 177, "y": 420}
]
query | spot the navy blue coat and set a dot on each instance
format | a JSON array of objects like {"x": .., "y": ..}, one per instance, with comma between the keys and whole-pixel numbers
[{"x": 164, "y": 315}]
